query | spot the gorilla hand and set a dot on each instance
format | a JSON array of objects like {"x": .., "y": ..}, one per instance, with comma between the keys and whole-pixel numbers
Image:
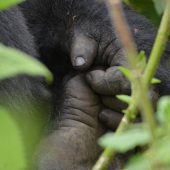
[
  {"x": 73, "y": 144},
  {"x": 109, "y": 53},
  {"x": 97, "y": 42},
  {"x": 93, "y": 38},
  {"x": 108, "y": 84}
]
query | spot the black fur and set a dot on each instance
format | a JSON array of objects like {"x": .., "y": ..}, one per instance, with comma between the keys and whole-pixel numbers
[
  {"x": 26, "y": 97},
  {"x": 54, "y": 24},
  {"x": 14, "y": 32},
  {"x": 57, "y": 22}
]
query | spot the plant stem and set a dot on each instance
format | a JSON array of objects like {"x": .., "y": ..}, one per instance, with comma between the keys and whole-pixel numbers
[
  {"x": 117, "y": 16},
  {"x": 145, "y": 105},
  {"x": 157, "y": 51},
  {"x": 109, "y": 153},
  {"x": 158, "y": 47}
]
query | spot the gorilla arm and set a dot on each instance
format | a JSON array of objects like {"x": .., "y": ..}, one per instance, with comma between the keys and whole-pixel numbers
[{"x": 73, "y": 145}]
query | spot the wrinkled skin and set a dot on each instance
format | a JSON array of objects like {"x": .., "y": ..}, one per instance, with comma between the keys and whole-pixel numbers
[{"x": 72, "y": 143}]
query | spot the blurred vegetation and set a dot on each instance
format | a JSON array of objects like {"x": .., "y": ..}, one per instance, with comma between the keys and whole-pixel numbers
[
  {"x": 21, "y": 123},
  {"x": 12, "y": 154},
  {"x": 146, "y": 8}
]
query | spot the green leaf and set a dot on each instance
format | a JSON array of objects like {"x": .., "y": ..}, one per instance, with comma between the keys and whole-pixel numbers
[
  {"x": 141, "y": 56},
  {"x": 142, "y": 60},
  {"x": 163, "y": 110},
  {"x": 155, "y": 81},
  {"x": 4, "y": 4},
  {"x": 138, "y": 162},
  {"x": 135, "y": 136},
  {"x": 14, "y": 62},
  {"x": 124, "y": 98},
  {"x": 12, "y": 155},
  {"x": 125, "y": 111},
  {"x": 145, "y": 7},
  {"x": 159, "y": 6},
  {"x": 157, "y": 155},
  {"x": 126, "y": 72},
  {"x": 162, "y": 150}
]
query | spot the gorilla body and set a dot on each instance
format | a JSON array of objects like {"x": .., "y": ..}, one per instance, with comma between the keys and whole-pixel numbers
[
  {"x": 14, "y": 32},
  {"x": 73, "y": 29},
  {"x": 80, "y": 30},
  {"x": 26, "y": 93}
]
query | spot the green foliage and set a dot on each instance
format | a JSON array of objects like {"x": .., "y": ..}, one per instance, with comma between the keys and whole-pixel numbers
[
  {"x": 12, "y": 153},
  {"x": 4, "y": 4},
  {"x": 20, "y": 131},
  {"x": 163, "y": 111},
  {"x": 126, "y": 72},
  {"x": 155, "y": 157},
  {"x": 136, "y": 135},
  {"x": 138, "y": 162},
  {"x": 145, "y": 7},
  {"x": 159, "y": 6},
  {"x": 155, "y": 81},
  {"x": 14, "y": 62},
  {"x": 124, "y": 98},
  {"x": 141, "y": 60}
]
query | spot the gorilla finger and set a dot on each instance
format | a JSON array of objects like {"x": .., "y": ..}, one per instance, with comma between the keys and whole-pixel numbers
[
  {"x": 113, "y": 103},
  {"x": 118, "y": 59},
  {"x": 111, "y": 51},
  {"x": 72, "y": 83},
  {"x": 83, "y": 51},
  {"x": 109, "y": 82},
  {"x": 110, "y": 118}
]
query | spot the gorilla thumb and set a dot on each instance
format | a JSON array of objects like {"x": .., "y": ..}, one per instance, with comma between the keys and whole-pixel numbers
[{"x": 83, "y": 51}]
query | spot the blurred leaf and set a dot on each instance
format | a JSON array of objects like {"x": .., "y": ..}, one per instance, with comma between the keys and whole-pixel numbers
[
  {"x": 155, "y": 81},
  {"x": 161, "y": 151},
  {"x": 126, "y": 72},
  {"x": 124, "y": 98},
  {"x": 4, "y": 4},
  {"x": 145, "y": 7},
  {"x": 127, "y": 140},
  {"x": 138, "y": 162},
  {"x": 125, "y": 111},
  {"x": 159, "y": 6},
  {"x": 12, "y": 155},
  {"x": 155, "y": 157},
  {"x": 14, "y": 62},
  {"x": 163, "y": 110}
]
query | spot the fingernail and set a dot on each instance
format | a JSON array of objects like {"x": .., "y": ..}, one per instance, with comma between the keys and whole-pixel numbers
[{"x": 79, "y": 61}]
